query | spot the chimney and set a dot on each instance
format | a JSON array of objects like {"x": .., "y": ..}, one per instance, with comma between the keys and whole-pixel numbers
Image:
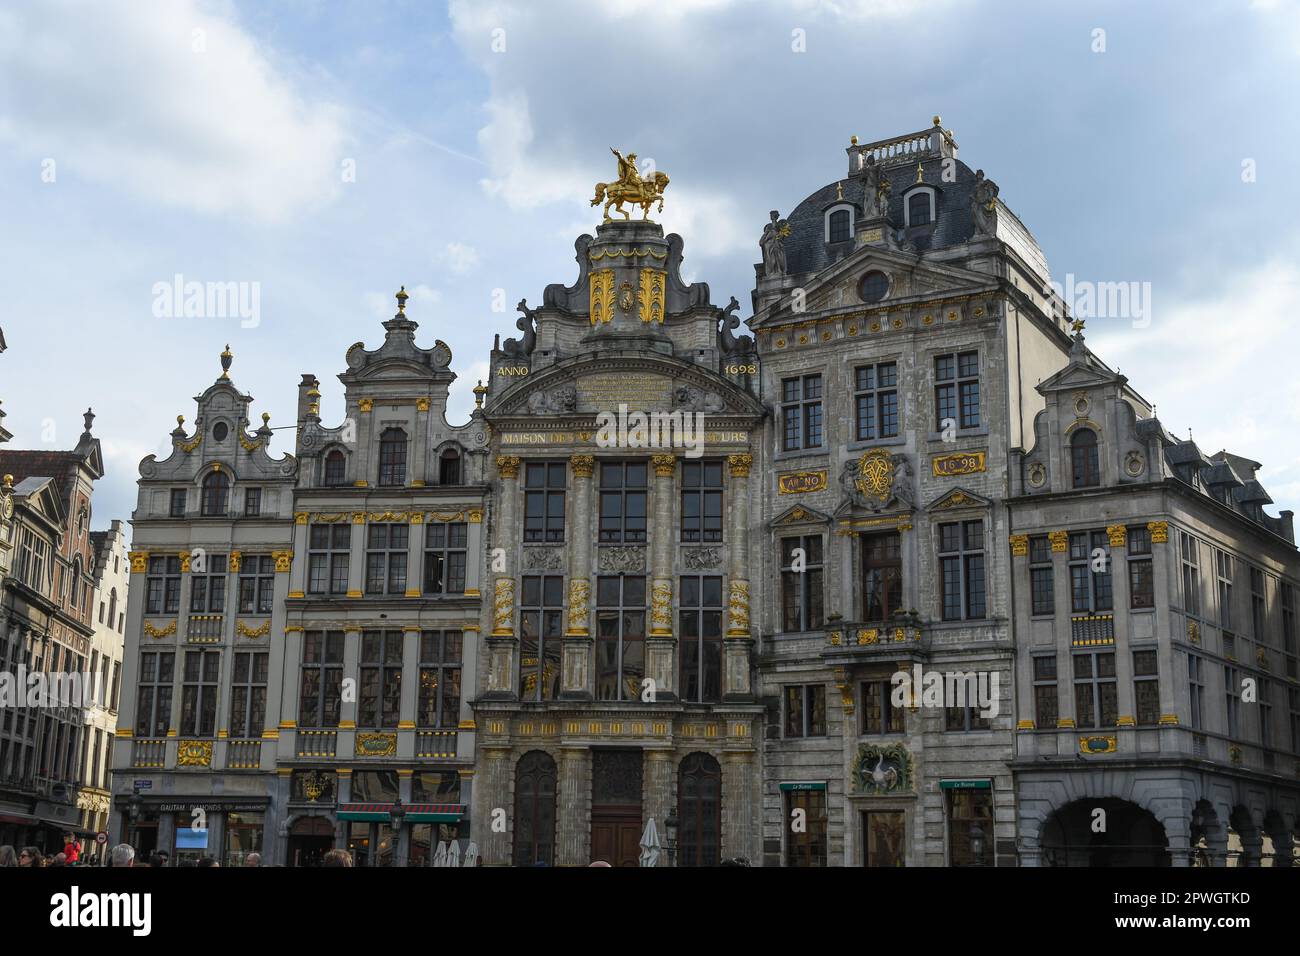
[{"x": 306, "y": 401}]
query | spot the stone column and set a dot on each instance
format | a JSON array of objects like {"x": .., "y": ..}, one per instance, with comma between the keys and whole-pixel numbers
[
  {"x": 282, "y": 696},
  {"x": 1125, "y": 698},
  {"x": 298, "y": 576},
  {"x": 501, "y": 642},
  {"x": 738, "y": 806},
  {"x": 348, "y": 708},
  {"x": 414, "y": 547},
  {"x": 660, "y": 643},
  {"x": 576, "y": 663},
  {"x": 357, "y": 556},
  {"x": 409, "y": 692},
  {"x": 493, "y": 841},
  {"x": 420, "y": 445},
  {"x": 737, "y": 641},
  {"x": 474, "y": 554},
  {"x": 659, "y": 795},
  {"x": 402, "y": 838},
  {"x": 848, "y": 605},
  {"x": 572, "y": 823},
  {"x": 367, "y": 462}
]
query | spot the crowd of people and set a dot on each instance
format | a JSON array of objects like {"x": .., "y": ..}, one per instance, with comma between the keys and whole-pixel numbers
[{"x": 121, "y": 855}]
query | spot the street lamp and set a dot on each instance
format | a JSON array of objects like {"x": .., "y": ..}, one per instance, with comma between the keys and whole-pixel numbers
[
  {"x": 398, "y": 816},
  {"x": 977, "y": 843},
  {"x": 670, "y": 830}
]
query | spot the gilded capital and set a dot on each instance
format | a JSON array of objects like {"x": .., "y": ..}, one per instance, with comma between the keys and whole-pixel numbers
[
  {"x": 508, "y": 466},
  {"x": 235, "y": 561},
  {"x": 1118, "y": 534},
  {"x": 1060, "y": 540},
  {"x": 283, "y": 560},
  {"x": 1019, "y": 545},
  {"x": 665, "y": 465},
  {"x": 739, "y": 465},
  {"x": 1159, "y": 531},
  {"x": 583, "y": 465},
  {"x": 139, "y": 561}
]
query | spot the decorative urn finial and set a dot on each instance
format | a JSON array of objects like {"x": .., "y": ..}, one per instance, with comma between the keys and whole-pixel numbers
[
  {"x": 401, "y": 300},
  {"x": 226, "y": 358}
]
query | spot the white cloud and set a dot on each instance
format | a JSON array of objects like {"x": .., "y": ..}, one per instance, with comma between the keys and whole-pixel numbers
[
  {"x": 168, "y": 101},
  {"x": 460, "y": 257}
]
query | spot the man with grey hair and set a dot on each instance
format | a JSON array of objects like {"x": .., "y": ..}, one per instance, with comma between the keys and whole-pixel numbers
[
  {"x": 123, "y": 855},
  {"x": 253, "y": 859}
]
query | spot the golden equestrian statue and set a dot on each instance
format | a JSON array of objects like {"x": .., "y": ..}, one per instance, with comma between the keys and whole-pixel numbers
[{"x": 631, "y": 188}]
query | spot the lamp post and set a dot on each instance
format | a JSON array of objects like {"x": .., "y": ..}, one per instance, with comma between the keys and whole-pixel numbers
[
  {"x": 398, "y": 815},
  {"x": 670, "y": 831},
  {"x": 133, "y": 813},
  {"x": 977, "y": 843}
]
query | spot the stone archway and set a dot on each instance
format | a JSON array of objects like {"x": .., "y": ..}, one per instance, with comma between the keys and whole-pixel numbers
[{"x": 1104, "y": 832}]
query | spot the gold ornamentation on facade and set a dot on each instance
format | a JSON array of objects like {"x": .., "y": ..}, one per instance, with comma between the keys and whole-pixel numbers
[
  {"x": 358, "y": 517},
  {"x": 503, "y": 608},
  {"x": 139, "y": 561},
  {"x": 365, "y": 405},
  {"x": 626, "y": 254},
  {"x": 376, "y": 744},
  {"x": 740, "y": 465},
  {"x": 650, "y": 296},
  {"x": 185, "y": 561},
  {"x": 583, "y": 465},
  {"x": 868, "y": 636},
  {"x": 602, "y": 296},
  {"x": 1019, "y": 545},
  {"x": 401, "y": 517},
  {"x": 738, "y": 606},
  {"x": 193, "y": 443},
  {"x": 1194, "y": 632},
  {"x": 300, "y": 517},
  {"x": 166, "y": 631},
  {"x": 1118, "y": 534},
  {"x": 249, "y": 446},
  {"x": 1060, "y": 540},
  {"x": 661, "y": 608},
  {"x": 448, "y": 516},
  {"x": 422, "y": 404},
  {"x": 801, "y": 482},
  {"x": 243, "y": 630},
  {"x": 235, "y": 561},
  {"x": 1065, "y": 723},
  {"x": 875, "y": 474},
  {"x": 1125, "y": 721},
  {"x": 579, "y": 603},
  {"x": 962, "y": 463},
  {"x": 1159, "y": 531},
  {"x": 1105, "y": 744},
  {"x": 1024, "y": 725},
  {"x": 194, "y": 753},
  {"x": 416, "y": 517},
  {"x": 1168, "y": 720},
  {"x": 665, "y": 465},
  {"x": 475, "y": 516},
  {"x": 283, "y": 560},
  {"x": 836, "y": 639},
  {"x": 508, "y": 466}
]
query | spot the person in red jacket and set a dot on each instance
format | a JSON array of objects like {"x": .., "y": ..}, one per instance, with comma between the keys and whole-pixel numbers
[{"x": 71, "y": 849}]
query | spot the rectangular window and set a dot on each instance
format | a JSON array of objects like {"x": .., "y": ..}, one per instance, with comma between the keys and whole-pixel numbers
[
  {"x": 801, "y": 583},
  {"x": 880, "y": 715},
  {"x": 965, "y": 718},
  {"x": 208, "y": 584},
  {"x": 1046, "y": 703},
  {"x": 386, "y": 552},
  {"x": 321, "y": 689},
  {"x": 701, "y": 501},
  {"x": 444, "y": 557},
  {"x": 961, "y": 569},
  {"x": 153, "y": 711},
  {"x": 700, "y": 641},
  {"x": 882, "y": 576},
  {"x": 199, "y": 693},
  {"x": 1232, "y": 695},
  {"x": 544, "y": 483},
  {"x": 806, "y": 848},
  {"x": 805, "y": 710},
  {"x": 177, "y": 509},
  {"x": 1191, "y": 574},
  {"x": 252, "y": 502},
  {"x": 622, "y": 502},
  {"x": 1258, "y": 616},
  {"x": 1223, "y": 569},
  {"x": 957, "y": 390},
  {"x": 1265, "y": 712},
  {"x": 379, "y": 690},
  {"x": 248, "y": 694},
  {"x": 541, "y": 614},
  {"x": 1141, "y": 578},
  {"x": 970, "y": 826},
  {"x": 329, "y": 549},
  {"x": 620, "y": 637},
  {"x": 875, "y": 399},
  {"x": 256, "y": 584},
  {"x": 1042, "y": 587},
  {"x": 440, "y": 662},
  {"x": 801, "y": 412},
  {"x": 1090, "y": 584},
  {"x": 1196, "y": 691},
  {"x": 163, "y": 586},
  {"x": 1293, "y": 705},
  {"x": 1095, "y": 689},
  {"x": 1287, "y": 600},
  {"x": 1146, "y": 688}
]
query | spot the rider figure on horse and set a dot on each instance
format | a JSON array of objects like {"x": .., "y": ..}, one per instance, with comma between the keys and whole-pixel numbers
[{"x": 627, "y": 171}]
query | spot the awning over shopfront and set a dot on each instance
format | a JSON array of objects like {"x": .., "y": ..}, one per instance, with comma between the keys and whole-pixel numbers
[
  {"x": 804, "y": 785},
  {"x": 415, "y": 812},
  {"x": 965, "y": 784}
]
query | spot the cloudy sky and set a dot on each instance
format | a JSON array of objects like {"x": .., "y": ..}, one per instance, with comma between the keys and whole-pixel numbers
[{"x": 329, "y": 152}]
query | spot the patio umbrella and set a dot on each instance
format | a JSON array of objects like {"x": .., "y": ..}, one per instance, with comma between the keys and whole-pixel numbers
[
  {"x": 440, "y": 855},
  {"x": 471, "y": 855},
  {"x": 650, "y": 846},
  {"x": 453, "y": 853}
]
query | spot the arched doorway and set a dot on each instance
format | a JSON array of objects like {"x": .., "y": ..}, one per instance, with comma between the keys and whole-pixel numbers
[
  {"x": 1105, "y": 832},
  {"x": 535, "y": 810},
  {"x": 310, "y": 838},
  {"x": 699, "y": 811}
]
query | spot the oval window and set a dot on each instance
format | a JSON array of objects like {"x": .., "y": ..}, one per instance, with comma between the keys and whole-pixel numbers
[
  {"x": 219, "y": 431},
  {"x": 874, "y": 286}
]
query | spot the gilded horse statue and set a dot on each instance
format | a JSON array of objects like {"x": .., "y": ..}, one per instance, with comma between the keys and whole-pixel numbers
[{"x": 631, "y": 188}]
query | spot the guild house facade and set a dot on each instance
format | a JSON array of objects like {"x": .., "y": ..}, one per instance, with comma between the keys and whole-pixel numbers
[{"x": 823, "y": 595}]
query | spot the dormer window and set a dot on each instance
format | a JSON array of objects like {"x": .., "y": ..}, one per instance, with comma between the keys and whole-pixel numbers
[
  {"x": 1084, "y": 459},
  {"x": 392, "y": 457},
  {"x": 449, "y": 467},
  {"x": 335, "y": 468},
  {"x": 216, "y": 492},
  {"x": 839, "y": 222},
  {"x": 920, "y": 206}
]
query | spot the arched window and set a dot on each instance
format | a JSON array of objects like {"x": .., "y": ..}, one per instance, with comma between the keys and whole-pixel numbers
[
  {"x": 918, "y": 208},
  {"x": 216, "y": 493},
  {"x": 392, "y": 457},
  {"x": 449, "y": 467},
  {"x": 335, "y": 468},
  {"x": 840, "y": 225},
  {"x": 535, "y": 810},
  {"x": 112, "y": 606},
  {"x": 1083, "y": 454},
  {"x": 74, "y": 592},
  {"x": 699, "y": 811}
]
